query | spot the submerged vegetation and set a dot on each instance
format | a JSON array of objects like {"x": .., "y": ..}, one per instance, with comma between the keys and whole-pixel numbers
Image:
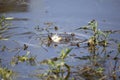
[{"x": 101, "y": 56}]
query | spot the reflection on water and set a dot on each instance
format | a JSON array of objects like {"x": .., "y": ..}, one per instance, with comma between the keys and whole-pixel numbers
[
  {"x": 14, "y": 5},
  {"x": 16, "y": 19}
]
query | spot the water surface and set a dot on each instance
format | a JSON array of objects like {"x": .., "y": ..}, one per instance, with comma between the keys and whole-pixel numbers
[{"x": 67, "y": 15}]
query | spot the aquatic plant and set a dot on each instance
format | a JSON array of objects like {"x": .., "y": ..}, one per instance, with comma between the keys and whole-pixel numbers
[
  {"x": 98, "y": 37},
  {"x": 5, "y": 28},
  {"x": 6, "y": 74},
  {"x": 24, "y": 58},
  {"x": 99, "y": 48},
  {"x": 89, "y": 73},
  {"x": 58, "y": 69}
]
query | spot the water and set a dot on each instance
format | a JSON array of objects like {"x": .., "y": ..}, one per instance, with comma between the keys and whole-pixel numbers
[{"x": 67, "y": 15}]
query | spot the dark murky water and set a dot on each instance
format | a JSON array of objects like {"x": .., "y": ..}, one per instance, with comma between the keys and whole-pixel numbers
[{"x": 35, "y": 17}]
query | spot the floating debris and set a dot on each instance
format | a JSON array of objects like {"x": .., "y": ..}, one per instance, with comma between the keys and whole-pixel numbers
[
  {"x": 56, "y": 28},
  {"x": 56, "y": 38}
]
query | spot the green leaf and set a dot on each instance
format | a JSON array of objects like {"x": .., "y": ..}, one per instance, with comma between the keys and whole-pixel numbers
[{"x": 64, "y": 53}]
